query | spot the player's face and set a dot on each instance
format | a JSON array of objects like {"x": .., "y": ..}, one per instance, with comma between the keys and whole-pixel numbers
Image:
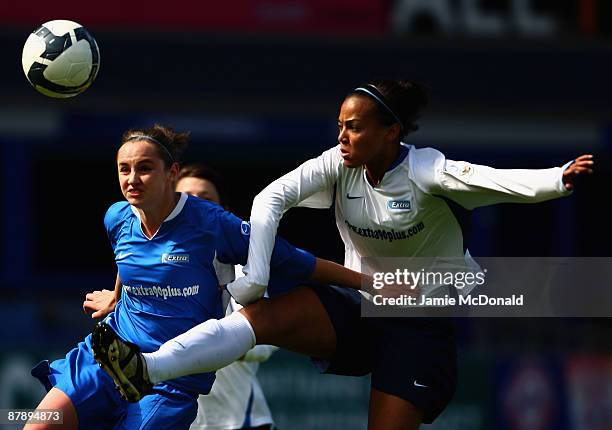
[
  {"x": 361, "y": 134},
  {"x": 199, "y": 187},
  {"x": 144, "y": 179}
]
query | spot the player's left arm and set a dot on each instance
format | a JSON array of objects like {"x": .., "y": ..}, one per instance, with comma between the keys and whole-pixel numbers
[
  {"x": 473, "y": 185},
  {"x": 328, "y": 272}
]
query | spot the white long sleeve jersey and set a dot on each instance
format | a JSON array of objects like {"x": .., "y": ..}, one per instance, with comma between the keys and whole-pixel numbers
[{"x": 406, "y": 215}]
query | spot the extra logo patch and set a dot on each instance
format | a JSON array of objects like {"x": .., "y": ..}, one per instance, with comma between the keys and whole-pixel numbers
[
  {"x": 175, "y": 258},
  {"x": 245, "y": 228},
  {"x": 399, "y": 205}
]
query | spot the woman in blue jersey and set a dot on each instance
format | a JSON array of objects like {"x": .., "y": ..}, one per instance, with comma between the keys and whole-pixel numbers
[
  {"x": 236, "y": 400},
  {"x": 172, "y": 252},
  {"x": 380, "y": 186}
]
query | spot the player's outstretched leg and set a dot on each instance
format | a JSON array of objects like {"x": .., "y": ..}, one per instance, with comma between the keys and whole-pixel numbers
[
  {"x": 214, "y": 344},
  {"x": 122, "y": 361},
  {"x": 206, "y": 347}
]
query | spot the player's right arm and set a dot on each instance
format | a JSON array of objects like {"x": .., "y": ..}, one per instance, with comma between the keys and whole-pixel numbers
[
  {"x": 289, "y": 265},
  {"x": 101, "y": 303},
  {"x": 311, "y": 185}
]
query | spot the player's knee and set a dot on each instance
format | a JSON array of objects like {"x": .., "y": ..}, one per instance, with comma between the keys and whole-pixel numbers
[{"x": 59, "y": 401}]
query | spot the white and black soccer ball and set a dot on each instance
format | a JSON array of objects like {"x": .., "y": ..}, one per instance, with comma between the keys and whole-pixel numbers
[{"x": 60, "y": 58}]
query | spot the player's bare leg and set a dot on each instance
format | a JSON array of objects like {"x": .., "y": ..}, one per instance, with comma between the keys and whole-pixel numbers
[
  {"x": 296, "y": 321},
  {"x": 389, "y": 412},
  {"x": 57, "y": 399}
]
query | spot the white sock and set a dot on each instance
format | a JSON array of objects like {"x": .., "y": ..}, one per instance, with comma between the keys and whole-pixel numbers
[{"x": 206, "y": 347}]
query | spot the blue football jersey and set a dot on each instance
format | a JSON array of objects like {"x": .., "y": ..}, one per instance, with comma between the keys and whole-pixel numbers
[{"x": 169, "y": 281}]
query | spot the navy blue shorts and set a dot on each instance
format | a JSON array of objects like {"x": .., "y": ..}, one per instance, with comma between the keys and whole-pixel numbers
[{"x": 411, "y": 358}]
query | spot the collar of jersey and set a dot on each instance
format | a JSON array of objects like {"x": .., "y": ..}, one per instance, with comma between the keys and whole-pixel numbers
[
  {"x": 177, "y": 210},
  {"x": 403, "y": 152}
]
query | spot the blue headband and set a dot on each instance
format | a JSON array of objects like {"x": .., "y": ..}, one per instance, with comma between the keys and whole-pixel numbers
[
  {"x": 377, "y": 95},
  {"x": 152, "y": 140}
]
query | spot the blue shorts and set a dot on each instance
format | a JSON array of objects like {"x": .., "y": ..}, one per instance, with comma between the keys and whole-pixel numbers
[
  {"x": 411, "y": 358},
  {"x": 98, "y": 404}
]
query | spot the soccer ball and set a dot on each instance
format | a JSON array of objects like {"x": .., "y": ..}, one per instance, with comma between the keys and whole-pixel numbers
[{"x": 60, "y": 59}]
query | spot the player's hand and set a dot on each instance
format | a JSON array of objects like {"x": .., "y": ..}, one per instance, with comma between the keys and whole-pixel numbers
[
  {"x": 99, "y": 303},
  {"x": 581, "y": 165}
]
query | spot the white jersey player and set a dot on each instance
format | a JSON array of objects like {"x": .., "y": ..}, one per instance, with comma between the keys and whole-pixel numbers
[
  {"x": 406, "y": 214},
  {"x": 391, "y": 200}
]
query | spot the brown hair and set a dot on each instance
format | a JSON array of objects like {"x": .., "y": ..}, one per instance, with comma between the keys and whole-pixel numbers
[
  {"x": 171, "y": 144},
  {"x": 201, "y": 171}
]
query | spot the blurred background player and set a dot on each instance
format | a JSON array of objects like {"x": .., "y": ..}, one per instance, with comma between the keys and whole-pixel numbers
[{"x": 236, "y": 400}]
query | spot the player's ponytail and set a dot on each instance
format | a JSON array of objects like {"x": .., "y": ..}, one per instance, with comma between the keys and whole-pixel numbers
[{"x": 398, "y": 101}]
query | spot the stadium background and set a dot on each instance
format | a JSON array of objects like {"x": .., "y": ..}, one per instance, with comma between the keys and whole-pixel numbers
[{"x": 514, "y": 83}]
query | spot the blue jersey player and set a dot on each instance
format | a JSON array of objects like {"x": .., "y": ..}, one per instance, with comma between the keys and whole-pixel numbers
[
  {"x": 170, "y": 251},
  {"x": 236, "y": 400}
]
